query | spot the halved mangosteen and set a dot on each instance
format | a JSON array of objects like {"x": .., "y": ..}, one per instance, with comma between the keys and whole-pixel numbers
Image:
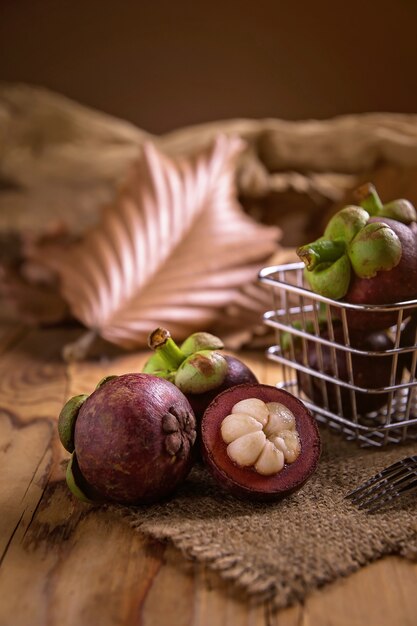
[{"x": 259, "y": 442}]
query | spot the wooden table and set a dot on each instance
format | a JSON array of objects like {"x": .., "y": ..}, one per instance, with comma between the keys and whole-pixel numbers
[{"x": 63, "y": 563}]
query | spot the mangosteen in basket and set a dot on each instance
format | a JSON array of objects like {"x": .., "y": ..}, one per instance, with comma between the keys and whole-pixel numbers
[
  {"x": 367, "y": 256},
  {"x": 131, "y": 440},
  {"x": 196, "y": 367},
  {"x": 396, "y": 285},
  {"x": 259, "y": 442},
  {"x": 369, "y": 371}
]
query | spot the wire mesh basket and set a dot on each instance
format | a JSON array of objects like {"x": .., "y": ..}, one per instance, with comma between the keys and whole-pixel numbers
[{"x": 361, "y": 384}]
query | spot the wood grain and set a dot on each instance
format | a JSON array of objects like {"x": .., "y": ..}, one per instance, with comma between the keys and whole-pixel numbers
[{"x": 63, "y": 562}]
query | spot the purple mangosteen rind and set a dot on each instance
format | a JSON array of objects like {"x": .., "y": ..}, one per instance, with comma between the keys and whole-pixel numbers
[
  {"x": 134, "y": 439},
  {"x": 243, "y": 482}
]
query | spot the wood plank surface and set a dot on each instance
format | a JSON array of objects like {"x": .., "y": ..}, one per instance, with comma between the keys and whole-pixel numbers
[{"x": 63, "y": 562}]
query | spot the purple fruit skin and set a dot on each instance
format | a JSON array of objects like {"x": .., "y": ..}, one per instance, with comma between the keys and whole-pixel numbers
[
  {"x": 121, "y": 439},
  {"x": 396, "y": 285},
  {"x": 237, "y": 373}
]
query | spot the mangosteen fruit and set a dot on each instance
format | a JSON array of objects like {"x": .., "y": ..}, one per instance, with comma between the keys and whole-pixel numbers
[
  {"x": 391, "y": 286},
  {"x": 371, "y": 370},
  {"x": 259, "y": 442},
  {"x": 131, "y": 440},
  {"x": 196, "y": 367},
  {"x": 237, "y": 374},
  {"x": 366, "y": 257}
]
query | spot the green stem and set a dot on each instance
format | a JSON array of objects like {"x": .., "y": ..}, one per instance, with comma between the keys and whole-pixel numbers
[
  {"x": 369, "y": 199},
  {"x": 161, "y": 342},
  {"x": 321, "y": 251}
]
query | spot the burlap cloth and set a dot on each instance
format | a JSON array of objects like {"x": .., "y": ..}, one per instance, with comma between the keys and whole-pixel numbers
[{"x": 281, "y": 551}]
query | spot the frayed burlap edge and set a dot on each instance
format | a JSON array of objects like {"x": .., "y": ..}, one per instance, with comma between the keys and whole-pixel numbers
[
  {"x": 248, "y": 578},
  {"x": 247, "y": 575}
]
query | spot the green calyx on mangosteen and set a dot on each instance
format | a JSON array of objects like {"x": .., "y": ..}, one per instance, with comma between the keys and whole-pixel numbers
[
  {"x": 77, "y": 484},
  {"x": 400, "y": 210},
  {"x": 73, "y": 484},
  {"x": 388, "y": 287},
  {"x": 133, "y": 440},
  {"x": 259, "y": 442},
  {"x": 196, "y": 367},
  {"x": 67, "y": 419}
]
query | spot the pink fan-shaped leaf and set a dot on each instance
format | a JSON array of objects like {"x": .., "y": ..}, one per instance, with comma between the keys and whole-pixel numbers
[{"x": 173, "y": 250}]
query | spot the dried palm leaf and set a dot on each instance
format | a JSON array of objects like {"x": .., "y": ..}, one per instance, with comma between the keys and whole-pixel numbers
[{"x": 173, "y": 250}]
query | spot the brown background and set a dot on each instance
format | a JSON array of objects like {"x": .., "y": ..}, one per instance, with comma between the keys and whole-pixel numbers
[{"x": 165, "y": 64}]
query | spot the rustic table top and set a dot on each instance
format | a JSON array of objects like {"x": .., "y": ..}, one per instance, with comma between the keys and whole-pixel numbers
[{"x": 64, "y": 563}]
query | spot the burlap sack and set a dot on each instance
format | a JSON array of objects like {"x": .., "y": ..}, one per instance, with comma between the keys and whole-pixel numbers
[{"x": 284, "y": 550}]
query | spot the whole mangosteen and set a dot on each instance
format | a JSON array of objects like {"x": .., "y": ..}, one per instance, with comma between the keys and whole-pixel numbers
[
  {"x": 259, "y": 442},
  {"x": 366, "y": 256},
  {"x": 398, "y": 284},
  {"x": 131, "y": 439},
  {"x": 196, "y": 367}
]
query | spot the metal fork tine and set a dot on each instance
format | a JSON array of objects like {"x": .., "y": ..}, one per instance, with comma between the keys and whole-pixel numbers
[
  {"x": 398, "y": 466},
  {"x": 376, "y": 486},
  {"x": 388, "y": 484},
  {"x": 388, "y": 490},
  {"x": 382, "y": 502},
  {"x": 408, "y": 488}
]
